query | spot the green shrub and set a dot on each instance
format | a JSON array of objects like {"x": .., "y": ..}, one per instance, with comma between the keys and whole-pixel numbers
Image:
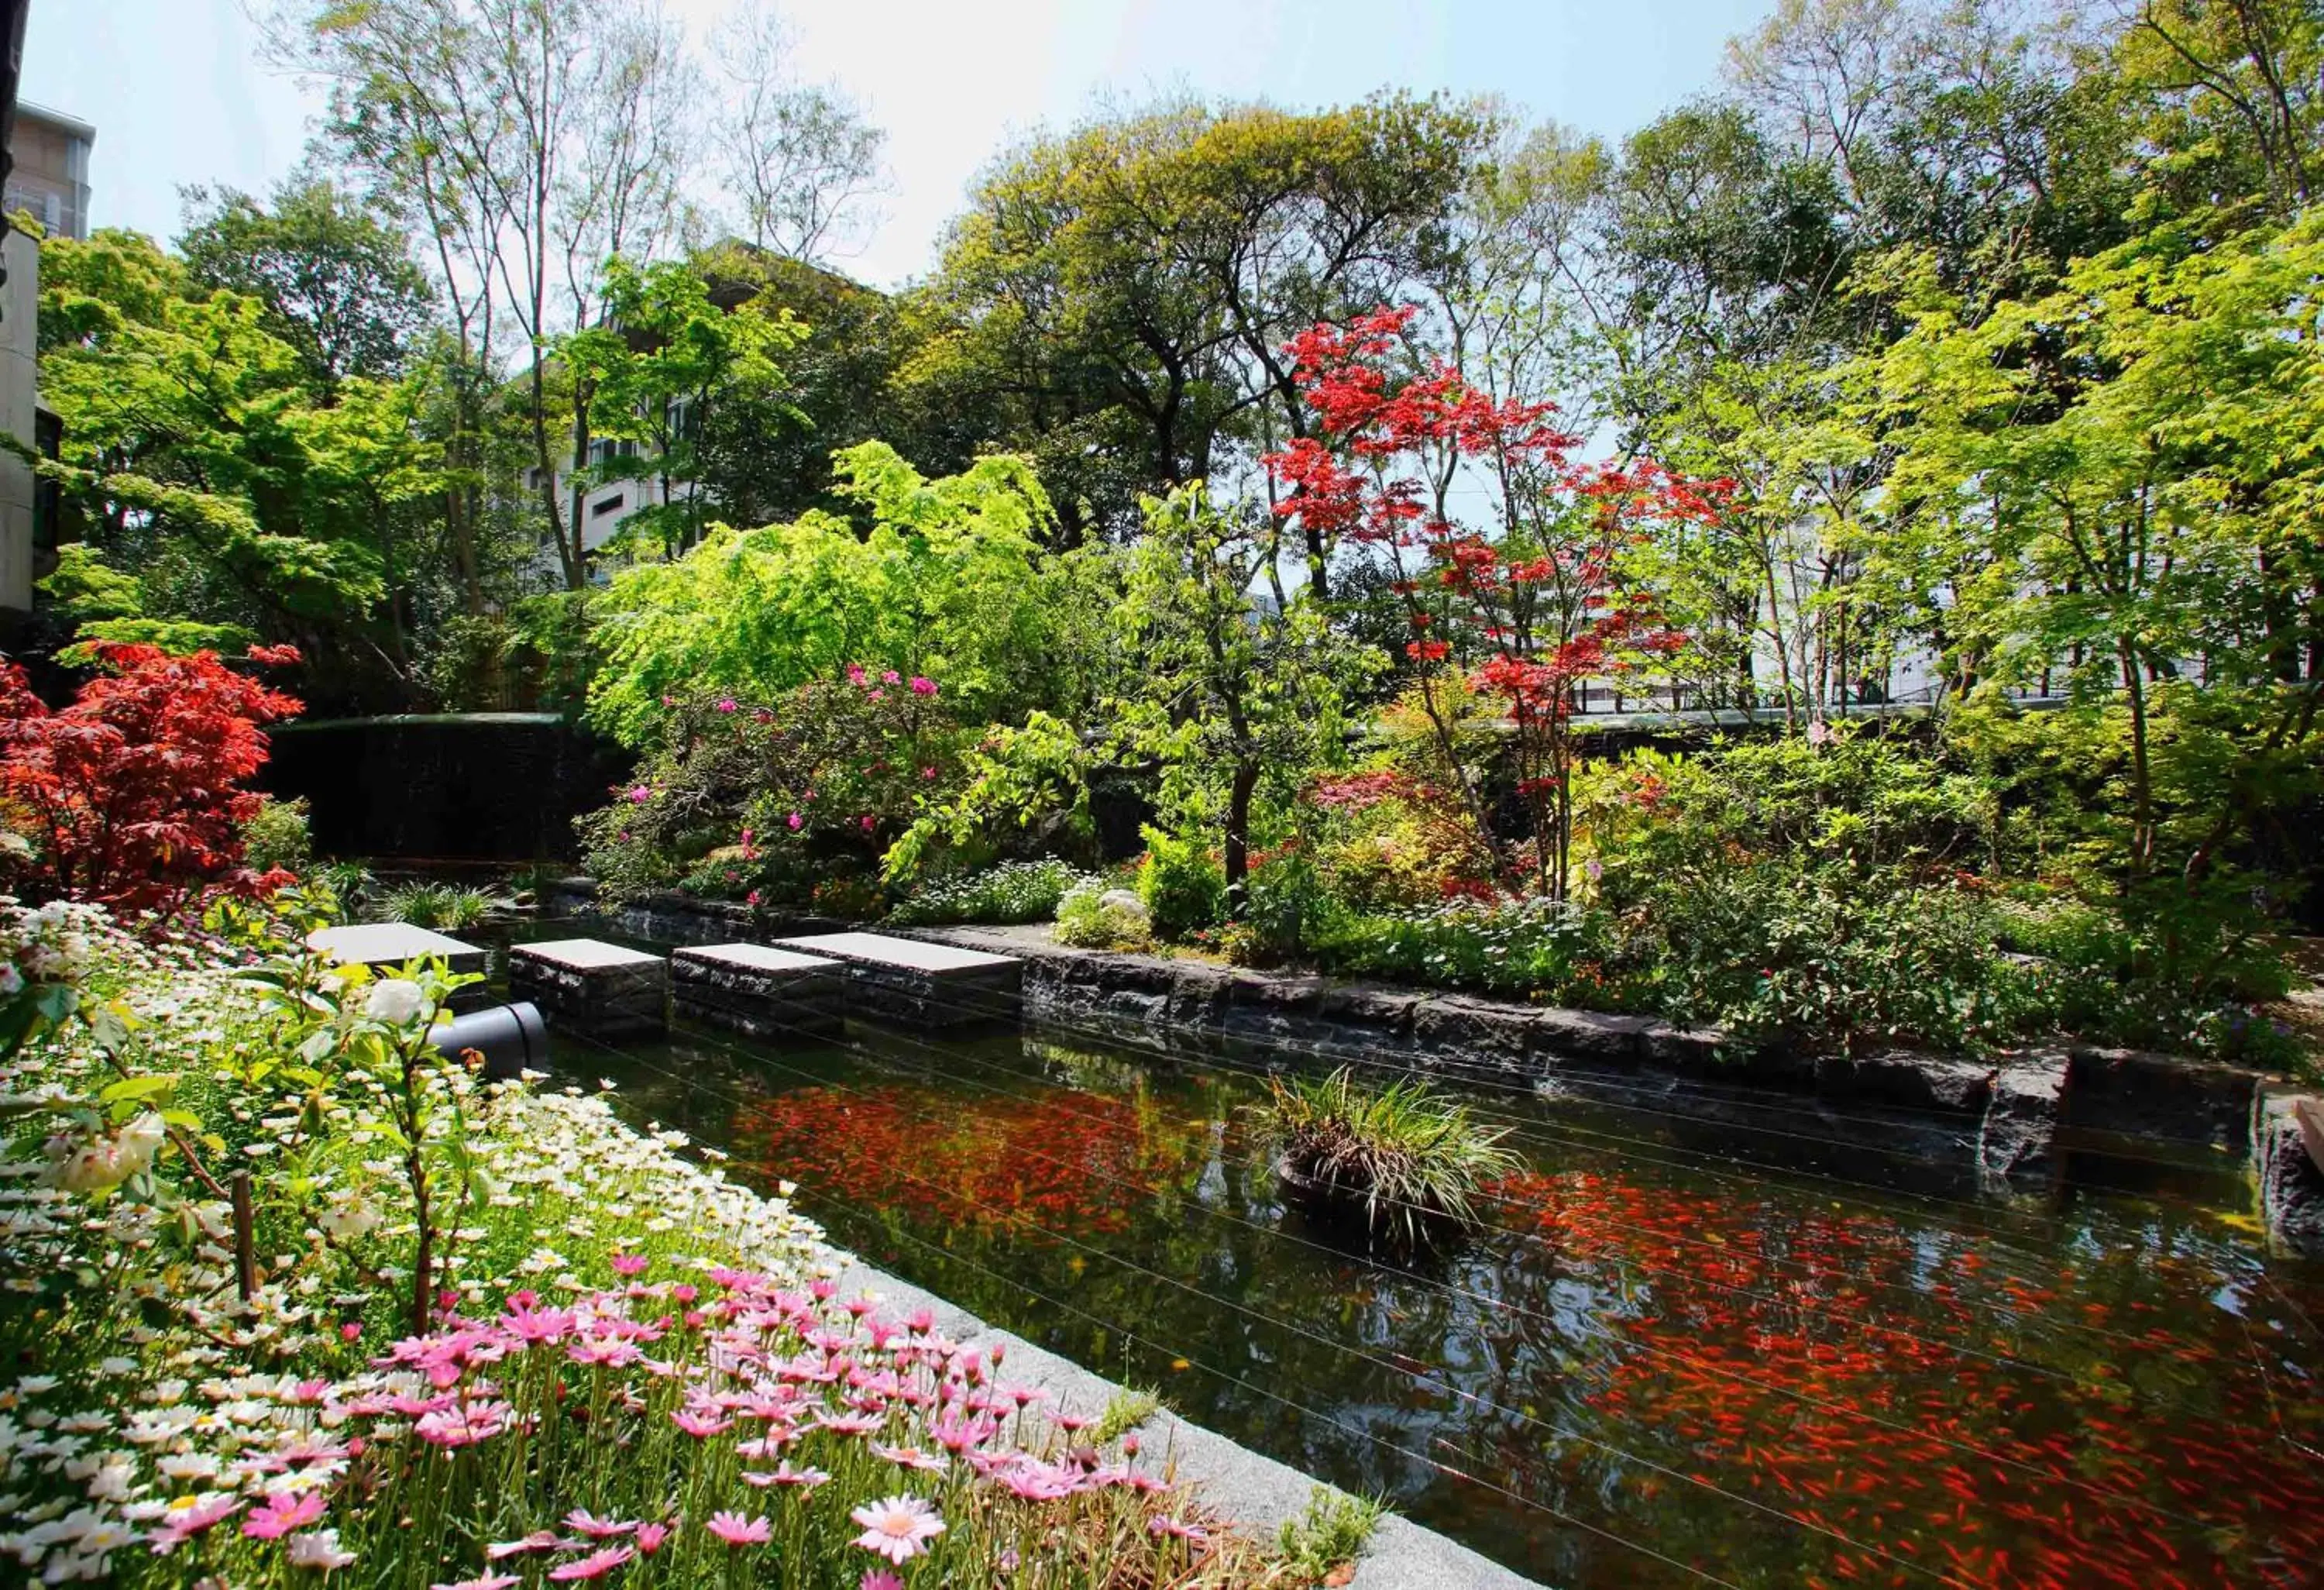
[
  {"x": 1567, "y": 954},
  {"x": 1088, "y": 919},
  {"x": 1013, "y": 891},
  {"x": 276, "y": 836},
  {"x": 1404, "y": 1154},
  {"x": 1183, "y": 886},
  {"x": 1289, "y": 907},
  {"x": 1829, "y": 958},
  {"x": 769, "y": 801}
]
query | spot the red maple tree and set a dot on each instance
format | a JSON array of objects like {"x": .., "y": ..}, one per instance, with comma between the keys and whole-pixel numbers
[
  {"x": 1527, "y": 606},
  {"x": 134, "y": 795}
]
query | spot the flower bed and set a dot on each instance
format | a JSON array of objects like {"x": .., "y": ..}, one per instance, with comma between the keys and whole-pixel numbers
[{"x": 301, "y": 1299}]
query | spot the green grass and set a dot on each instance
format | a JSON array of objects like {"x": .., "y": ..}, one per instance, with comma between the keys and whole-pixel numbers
[
  {"x": 1332, "y": 1532},
  {"x": 433, "y": 905}
]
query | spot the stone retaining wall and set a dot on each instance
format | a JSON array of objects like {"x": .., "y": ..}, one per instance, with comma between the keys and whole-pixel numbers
[{"x": 2001, "y": 1116}]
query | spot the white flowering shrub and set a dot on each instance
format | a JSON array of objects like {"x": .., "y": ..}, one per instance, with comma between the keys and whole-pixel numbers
[{"x": 304, "y": 1299}]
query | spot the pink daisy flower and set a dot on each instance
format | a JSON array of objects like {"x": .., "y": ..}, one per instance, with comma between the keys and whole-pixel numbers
[
  {"x": 738, "y": 1530},
  {"x": 181, "y": 1524},
  {"x": 880, "y": 1579},
  {"x": 595, "y": 1566},
  {"x": 650, "y": 1537},
  {"x": 700, "y": 1426},
  {"x": 539, "y": 1540},
  {"x": 282, "y": 1513},
  {"x": 911, "y": 1457},
  {"x": 1163, "y": 1524},
  {"x": 482, "y": 1581},
  {"x": 899, "y": 1528},
  {"x": 581, "y": 1521}
]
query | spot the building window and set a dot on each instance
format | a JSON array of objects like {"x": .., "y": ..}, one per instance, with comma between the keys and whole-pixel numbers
[{"x": 604, "y": 505}]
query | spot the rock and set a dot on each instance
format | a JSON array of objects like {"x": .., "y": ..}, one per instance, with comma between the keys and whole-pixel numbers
[
  {"x": 2143, "y": 1095},
  {"x": 2024, "y": 1106},
  {"x": 1125, "y": 903},
  {"x": 2291, "y": 1187},
  {"x": 1909, "y": 1078}
]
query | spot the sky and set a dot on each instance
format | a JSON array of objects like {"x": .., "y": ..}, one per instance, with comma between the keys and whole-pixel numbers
[{"x": 178, "y": 93}]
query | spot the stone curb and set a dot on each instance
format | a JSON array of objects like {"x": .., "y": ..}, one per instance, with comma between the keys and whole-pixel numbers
[
  {"x": 2009, "y": 1104},
  {"x": 1255, "y": 1491}
]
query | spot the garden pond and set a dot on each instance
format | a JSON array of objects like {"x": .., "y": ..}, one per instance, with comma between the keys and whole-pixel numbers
[{"x": 1762, "y": 1350}]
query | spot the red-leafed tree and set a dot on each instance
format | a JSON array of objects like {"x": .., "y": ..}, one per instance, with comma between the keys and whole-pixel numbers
[
  {"x": 1527, "y": 601},
  {"x": 133, "y": 797}
]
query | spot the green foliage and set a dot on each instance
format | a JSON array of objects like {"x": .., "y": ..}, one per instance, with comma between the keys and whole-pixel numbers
[
  {"x": 200, "y": 451},
  {"x": 1125, "y": 1410},
  {"x": 1288, "y": 910},
  {"x": 1410, "y": 1158},
  {"x": 791, "y": 800},
  {"x": 1013, "y": 892},
  {"x": 337, "y": 279},
  {"x": 656, "y": 371},
  {"x": 949, "y": 582},
  {"x": 1027, "y": 784},
  {"x": 1121, "y": 291},
  {"x": 1331, "y": 1533},
  {"x": 276, "y": 836},
  {"x": 432, "y": 905},
  {"x": 1092, "y": 915},
  {"x": 1564, "y": 954},
  {"x": 1181, "y": 884},
  {"x": 1823, "y": 958},
  {"x": 1237, "y": 686}
]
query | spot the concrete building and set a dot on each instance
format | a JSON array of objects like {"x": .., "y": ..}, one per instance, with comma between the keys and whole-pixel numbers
[{"x": 49, "y": 176}]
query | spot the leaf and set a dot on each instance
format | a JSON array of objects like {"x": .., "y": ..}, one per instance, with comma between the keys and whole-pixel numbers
[{"x": 138, "y": 1087}]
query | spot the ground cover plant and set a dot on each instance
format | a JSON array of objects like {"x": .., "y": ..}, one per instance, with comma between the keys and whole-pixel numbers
[
  {"x": 1012, "y": 891},
  {"x": 290, "y": 1296}
]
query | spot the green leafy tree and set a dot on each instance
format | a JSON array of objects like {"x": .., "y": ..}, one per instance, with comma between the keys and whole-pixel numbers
[
  {"x": 1237, "y": 686},
  {"x": 339, "y": 284},
  {"x": 659, "y": 368},
  {"x": 1131, "y": 285},
  {"x": 949, "y": 582},
  {"x": 198, "y": 454},
  {"x": 2115, "y": 484}
]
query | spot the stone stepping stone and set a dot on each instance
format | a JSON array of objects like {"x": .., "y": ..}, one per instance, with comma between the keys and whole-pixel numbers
[
  {"x": 758, "y": 991},
  {"x": 391, "y": 943},
  {"x": 384, "y": 946},
  {"x": 591, "y": 986},
  {"x": 920, "y": 984}
]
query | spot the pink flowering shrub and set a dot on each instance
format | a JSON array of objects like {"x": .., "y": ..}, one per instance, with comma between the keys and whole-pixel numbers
[
  {"x": 790, "y": 802},
  {"x": 626, "y": 1370}
]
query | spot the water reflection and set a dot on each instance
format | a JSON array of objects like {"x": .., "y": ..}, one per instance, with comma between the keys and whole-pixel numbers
[{"x": 1767, "y": 1377}]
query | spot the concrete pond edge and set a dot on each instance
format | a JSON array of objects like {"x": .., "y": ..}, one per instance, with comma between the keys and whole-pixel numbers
[{"x": 1256, "y": 1492}]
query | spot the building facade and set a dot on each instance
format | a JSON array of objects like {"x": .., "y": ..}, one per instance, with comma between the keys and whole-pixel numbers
[{"x": 50, "y": 178}]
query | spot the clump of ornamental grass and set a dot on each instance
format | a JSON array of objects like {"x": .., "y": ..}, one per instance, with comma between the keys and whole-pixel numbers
[
  {"x": 434, "y": 905},
  {"x": 1408, "y": 1160}
]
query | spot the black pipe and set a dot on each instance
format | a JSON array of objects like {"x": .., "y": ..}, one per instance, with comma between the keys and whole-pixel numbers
[{"x": 511, "y": 1037}]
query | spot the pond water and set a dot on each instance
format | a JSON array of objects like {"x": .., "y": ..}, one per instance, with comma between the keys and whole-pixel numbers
[{"x": 1685, "y": 1350}]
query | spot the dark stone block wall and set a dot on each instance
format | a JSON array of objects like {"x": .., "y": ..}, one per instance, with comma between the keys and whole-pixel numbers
[{"x": 483, "y": 787}]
